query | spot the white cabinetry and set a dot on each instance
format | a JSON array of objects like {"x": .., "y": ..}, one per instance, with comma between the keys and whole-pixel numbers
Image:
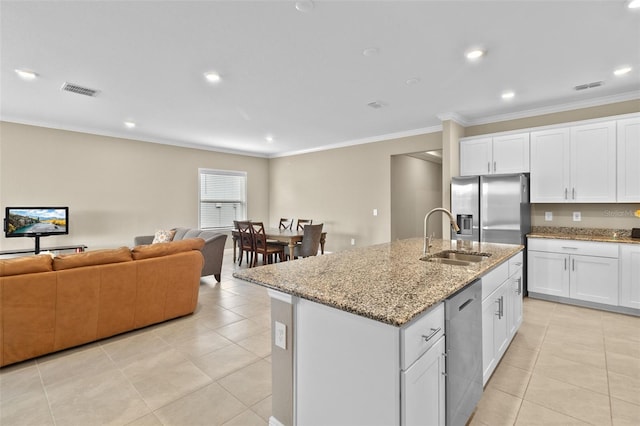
[
  {"x": 629, "y": 160},
  {"x": 494, "y": 155},
  {"x": 581, "y": 270},
  {"x": 501, "y": 312},
  {"x": 425, "y": 377},
  {"x": 630, "y": 275},
  {"x": 574, "y": 164}
]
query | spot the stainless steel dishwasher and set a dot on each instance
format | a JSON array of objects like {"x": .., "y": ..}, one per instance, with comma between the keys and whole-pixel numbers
[{"x": 463, "y": 330}]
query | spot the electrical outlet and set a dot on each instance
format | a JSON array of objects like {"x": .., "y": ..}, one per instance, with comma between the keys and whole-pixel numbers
[
  {"x": 375, "y": 212},
  {"x": 548, "y": 216},
  {"x": 577, "y": 216},
  {"x": 353, "y": 241},
  {"x": 281, "y": 335}
]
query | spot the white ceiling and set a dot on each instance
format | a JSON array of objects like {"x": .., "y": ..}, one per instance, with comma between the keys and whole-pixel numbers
[{"x": 302, "y": 77}]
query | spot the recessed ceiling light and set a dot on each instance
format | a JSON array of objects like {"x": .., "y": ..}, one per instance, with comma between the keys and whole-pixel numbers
[
  {"x": 212, "y": 76},
  {"x": 26, "y": 74},
  {"x": 129, "y": 124},
  {"x": 370, "y": 51},
  {"x": 412, "y": 81},
  {"x": 269, "y": 138},
  {"x": 508, "y": 95},
  {"x": 622, "y": 71},
  {"x": 634, "y": 4},
  {"x": 475, "y": 54},
  {"x": 304, "y": 5}
]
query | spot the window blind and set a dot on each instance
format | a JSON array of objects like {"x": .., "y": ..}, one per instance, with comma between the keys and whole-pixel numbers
[{"x": 223, "y": 198}]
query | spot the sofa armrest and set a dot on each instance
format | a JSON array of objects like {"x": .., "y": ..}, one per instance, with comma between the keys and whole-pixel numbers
[
  {"x": 143, "y": 240},
  {"x": 213, "y": 252}
]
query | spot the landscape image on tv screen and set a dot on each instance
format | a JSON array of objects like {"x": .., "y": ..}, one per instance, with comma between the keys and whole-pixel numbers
[{"x": 24, "y": 222}]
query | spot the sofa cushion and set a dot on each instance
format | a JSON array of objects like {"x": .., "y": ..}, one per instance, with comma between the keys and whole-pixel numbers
[
  {"x": 95, "y": 257},
  {"x": 163, "y": 236},
  {"x": 164, "y": 249},
  {"x": 25, "y": 265}
]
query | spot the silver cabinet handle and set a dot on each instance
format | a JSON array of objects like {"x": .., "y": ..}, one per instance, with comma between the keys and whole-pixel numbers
[
  {"x": 434, "y": 331},
  {"x": 573, "y": 264},
  {"x": 519, "y": 290},
  {"x": 565, "y": 263},
  {"x": 488, "y": 167},
  {"x": 494, "y": 166},
  {"x": 573, "y": 193},
  {"x": 565, "y": 193},
  {"x": 569, "y": 248}
]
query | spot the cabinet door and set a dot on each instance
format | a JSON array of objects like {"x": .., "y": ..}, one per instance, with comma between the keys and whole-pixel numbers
[
  {"x": 495, "y": 330},
  {"x": 550, "y": 166},
  {"x": 475, "y": 157},
  {"x": 511, "y": 154},
  {"x": 594, "y": 279},
  {"x": 423, "y": 389},
  {"x": 593, "y": 163},
  {"x": 628, "y": 135},
  {"x": 548, "y": 273},
  {"x": 514, "y": 293},
  {"x": 630, "y": 275}
]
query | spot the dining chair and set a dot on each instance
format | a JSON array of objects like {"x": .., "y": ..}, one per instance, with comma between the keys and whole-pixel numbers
[
  {"x": 310, "y": 242},
  {"x": 302, "y": 223},
  {"x": 262, "y": 246},
  {"x": 245, "y": 242},
  {"x": 285, "y": 223}
]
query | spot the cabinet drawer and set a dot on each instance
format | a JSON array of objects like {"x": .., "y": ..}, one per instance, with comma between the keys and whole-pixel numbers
[
  {"x": 492, "y": 280},
  {"x": 585, "y": 248},
  {"x": 515, "y": 263},
  {"x": 421, "y": 334}
]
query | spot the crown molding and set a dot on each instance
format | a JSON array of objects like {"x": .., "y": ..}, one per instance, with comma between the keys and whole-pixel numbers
[
  {"x": 453, "y": 116},
  {"x": 372, "y": 139},
  {"x": 587, "y": 103}
]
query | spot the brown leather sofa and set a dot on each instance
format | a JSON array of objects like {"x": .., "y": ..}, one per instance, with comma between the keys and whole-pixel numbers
[{"x": 49, "y": 304}]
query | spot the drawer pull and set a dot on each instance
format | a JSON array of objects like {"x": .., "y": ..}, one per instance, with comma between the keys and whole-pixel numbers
[
  {"x": 434, "y": 331},
  {"x": 569, "y": 248},
  {"x": 518, "y": 264}
]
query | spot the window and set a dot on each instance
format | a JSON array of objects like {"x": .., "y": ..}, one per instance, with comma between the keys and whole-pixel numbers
[{"x": 223, "y": 198}]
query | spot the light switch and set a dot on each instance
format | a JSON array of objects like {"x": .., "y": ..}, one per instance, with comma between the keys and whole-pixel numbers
[
  {"x": 577, "y": 217},
  {"x": 548, "y": 216},
  {"x": 281, "y": 335}
]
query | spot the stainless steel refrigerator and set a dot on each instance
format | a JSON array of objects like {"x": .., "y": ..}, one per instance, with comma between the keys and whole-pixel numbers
[{"x": 493, "y": 209}]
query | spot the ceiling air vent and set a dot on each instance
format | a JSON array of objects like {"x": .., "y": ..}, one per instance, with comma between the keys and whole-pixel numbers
[
  {"x": 375, "y": 104},
  {"x": 589, "y": 85},
  {"x": 74, "y": 88}
]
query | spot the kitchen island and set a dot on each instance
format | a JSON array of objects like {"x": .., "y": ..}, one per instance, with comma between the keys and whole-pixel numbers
[{"x": 342, "y": 325}]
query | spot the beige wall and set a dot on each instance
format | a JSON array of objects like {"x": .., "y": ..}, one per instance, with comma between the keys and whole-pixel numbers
[
  {"x": 593, "y": 215},
  {"x": 115, "y": 188},
  {"x": 341, "y": 187},
  {"x": 416, "y": 188}
]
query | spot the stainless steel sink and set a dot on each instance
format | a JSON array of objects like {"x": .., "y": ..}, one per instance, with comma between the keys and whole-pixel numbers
[
  {"x": 446, "y": 261},
  {"x": 452, "y": 257}
]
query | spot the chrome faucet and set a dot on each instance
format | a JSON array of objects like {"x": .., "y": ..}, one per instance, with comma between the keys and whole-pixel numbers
[{"x": 427, "y": 237}]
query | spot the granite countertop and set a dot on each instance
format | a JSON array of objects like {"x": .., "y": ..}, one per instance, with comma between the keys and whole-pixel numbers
[
  {"x": 584, "y": 234},
  {"x": 386, "y": 282}
]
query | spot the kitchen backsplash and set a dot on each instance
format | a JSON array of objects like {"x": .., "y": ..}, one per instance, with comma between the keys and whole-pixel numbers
[{"x": 609, "y": 216}]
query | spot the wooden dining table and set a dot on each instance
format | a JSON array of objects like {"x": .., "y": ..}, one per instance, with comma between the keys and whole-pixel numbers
[{"x": 289, "y": 236}]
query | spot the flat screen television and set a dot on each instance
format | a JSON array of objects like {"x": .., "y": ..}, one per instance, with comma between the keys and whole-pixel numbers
[{"x": 36, "y": 222}]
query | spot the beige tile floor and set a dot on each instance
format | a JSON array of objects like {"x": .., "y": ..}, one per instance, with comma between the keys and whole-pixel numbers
[{"x": 566, "y": 366}]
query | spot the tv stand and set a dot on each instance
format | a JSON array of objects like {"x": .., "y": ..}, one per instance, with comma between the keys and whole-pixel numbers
[{"x": 79, "y": 248}]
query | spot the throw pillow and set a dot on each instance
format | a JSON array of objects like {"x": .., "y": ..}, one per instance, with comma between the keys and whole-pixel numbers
[{"x": 163, "y": 236}]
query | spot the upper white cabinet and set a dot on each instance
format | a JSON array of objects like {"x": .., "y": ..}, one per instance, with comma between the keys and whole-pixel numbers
[
  {"x": 629, "y": 160},
  {"x": 575, "y": 164},
  {"x": 494, "y": 155}
]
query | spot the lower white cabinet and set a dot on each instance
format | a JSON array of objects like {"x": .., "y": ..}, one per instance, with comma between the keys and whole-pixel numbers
[
  {"x": 425, "y": 378},
  {"x": 501, "y": 312},
  {"x": 581, "y": 270},
  {"x": 630, "y": 275}
]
